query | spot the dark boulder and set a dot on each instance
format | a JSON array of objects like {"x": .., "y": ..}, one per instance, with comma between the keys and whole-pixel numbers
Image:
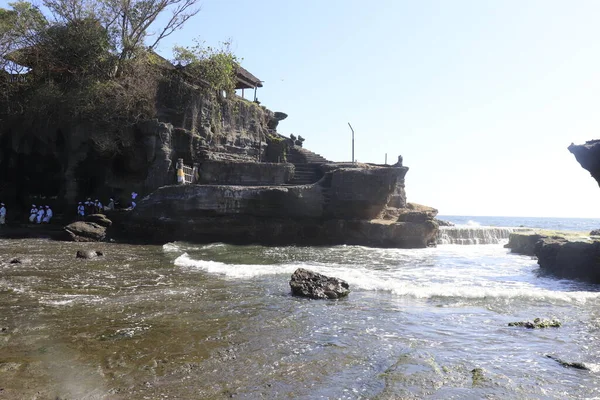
[
  {"x": 82, "y": 231},
  {"x": 20, "y": 260},
  {"x": 99, "y": 219},
  {"x": 595, "y": 232},
  {"x": 87, "y": 254},
  {"x": 316, "y": 286}
]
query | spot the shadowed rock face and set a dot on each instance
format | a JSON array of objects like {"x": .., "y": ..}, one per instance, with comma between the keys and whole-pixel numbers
[
  {"x": 560, "y": 254},
  {"x": 342, "y": 208},
  {"x": 588, "y": 156},
  {"x": 69, "y": 160}
]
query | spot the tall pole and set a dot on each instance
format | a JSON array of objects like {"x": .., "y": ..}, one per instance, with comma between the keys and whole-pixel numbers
[{"x": 352, "y": 141}]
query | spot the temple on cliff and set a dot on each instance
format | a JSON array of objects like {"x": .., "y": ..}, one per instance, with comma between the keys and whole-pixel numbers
[{"x": 242, "y": 176}]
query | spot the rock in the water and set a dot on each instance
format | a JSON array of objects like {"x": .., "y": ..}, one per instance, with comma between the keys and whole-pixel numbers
[
  {"x": 538, "y": 323},
  {"x": 82, "y": 231},
  {"x": 316, "y": 286},
  {"x": 99, "y": 219},
  {"x": 20, "y": 260},
  {"x": 87, "y": 254},
  {"x": 567, "y": 364},
  {"x": 595, "y": 232}
]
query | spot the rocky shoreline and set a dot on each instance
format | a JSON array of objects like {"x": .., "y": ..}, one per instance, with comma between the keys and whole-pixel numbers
[{"x": 569, "y": 255}]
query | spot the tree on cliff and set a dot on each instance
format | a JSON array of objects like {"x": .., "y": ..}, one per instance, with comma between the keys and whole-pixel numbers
[
  {"x": 215, "y": 66},
  {"x": 131, "y": 24}
]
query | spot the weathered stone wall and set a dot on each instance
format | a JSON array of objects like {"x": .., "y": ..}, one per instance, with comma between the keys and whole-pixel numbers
[
  {"x": 339, "y": 209},
  {"x": 244, "y": 173},
  {"x": 362, "y": 193},
  {"x": 226, "y": 125},
  {"x": 190, "y": 201}
]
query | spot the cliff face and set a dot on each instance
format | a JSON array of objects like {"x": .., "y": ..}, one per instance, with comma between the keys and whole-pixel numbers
[
  {"x": 344, "y": 207},
  {"x": 588, "y": 156},
  {"x": 69, "y": 160}
]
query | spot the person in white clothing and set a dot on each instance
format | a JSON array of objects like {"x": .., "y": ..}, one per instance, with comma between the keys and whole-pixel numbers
[
  {"x": 80, "y": 210},
  {"x": 40, "y": 215},
  {"x": 48, "y": 215},
  {"x": 33, "y": 213},
  {"x": 133, "y": 196},
  {"x": 99, "y": 207},
  {"x": 2, "y": 214},
  {"x": 111, "y": 204}
]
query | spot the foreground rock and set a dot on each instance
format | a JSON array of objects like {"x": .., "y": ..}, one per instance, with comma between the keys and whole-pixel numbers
[
  {"x": 82, "y": 231},
  {"x": 538, "y": 323},
  {"x": 316, "y": 286},
  {"x": 562, "y": 254}
]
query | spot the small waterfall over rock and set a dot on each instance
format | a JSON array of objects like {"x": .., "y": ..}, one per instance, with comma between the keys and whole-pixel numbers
[{"x": 474, "y": 234}]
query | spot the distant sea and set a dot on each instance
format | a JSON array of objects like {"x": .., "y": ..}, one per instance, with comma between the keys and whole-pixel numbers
[{"x": 563, "y": 224}]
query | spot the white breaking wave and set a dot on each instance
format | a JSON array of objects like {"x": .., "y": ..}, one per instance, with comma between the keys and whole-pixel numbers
[
  {"x": 415, "y": 284},
  {"x": 234, "y": 270},
  {"x": 473, "y": 223},
  {"x": 171, "y": 248}
]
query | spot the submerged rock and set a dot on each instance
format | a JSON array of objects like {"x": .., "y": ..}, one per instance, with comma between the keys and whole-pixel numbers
[
  {"x": 82, "y": 231},
  {"x": 20, "y": 260},
  {"x": 316, "y": 286},
  {"x": 87, "y": 254},
  {"x": 538, "y": 323},
  {"x": 567, "y": 364}
]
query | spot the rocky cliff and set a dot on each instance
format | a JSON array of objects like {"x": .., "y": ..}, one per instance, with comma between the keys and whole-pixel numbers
[
  {"x": 588, "y": 156},
  {"x": 69, "y": 158},
  {"x": 347, "y": 206}
]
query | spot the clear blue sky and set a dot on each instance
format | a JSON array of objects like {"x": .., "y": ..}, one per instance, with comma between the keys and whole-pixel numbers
[{"x": 480, "y": 97}]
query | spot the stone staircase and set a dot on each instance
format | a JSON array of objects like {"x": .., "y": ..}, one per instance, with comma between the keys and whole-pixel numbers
[
  {"x": 299, "y": 155},
  {"x": 306, "y": 164}
]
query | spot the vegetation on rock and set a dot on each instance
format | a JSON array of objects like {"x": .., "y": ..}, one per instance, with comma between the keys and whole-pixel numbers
[
  {"x": 88, "y": 62},
  {"x": 216, "y": 66}
]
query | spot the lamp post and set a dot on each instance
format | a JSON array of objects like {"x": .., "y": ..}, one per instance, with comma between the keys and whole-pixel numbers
[{"x": 352, "y": 141}]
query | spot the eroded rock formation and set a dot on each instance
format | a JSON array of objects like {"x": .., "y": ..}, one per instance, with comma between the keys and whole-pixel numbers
[
  {"x": 70, "y": 160},
  {"x": 588, "y": 156},
  {"x": 563, "y": 255},
  {"x": 347, "y": 206}
]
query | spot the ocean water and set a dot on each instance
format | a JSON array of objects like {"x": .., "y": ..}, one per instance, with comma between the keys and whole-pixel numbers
[
  {"x": 217, "y": 321},
  {"x": 563, "y": 224}
]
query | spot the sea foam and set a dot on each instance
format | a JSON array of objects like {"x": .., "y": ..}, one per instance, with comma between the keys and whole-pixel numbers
[{"x": 414, "y": 285}]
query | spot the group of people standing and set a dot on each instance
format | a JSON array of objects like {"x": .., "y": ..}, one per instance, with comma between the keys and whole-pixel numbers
[
  {"x": 44, "y": 214},
  {"x": 92, "y": 207},
  {"x": 41, "y": 214}
]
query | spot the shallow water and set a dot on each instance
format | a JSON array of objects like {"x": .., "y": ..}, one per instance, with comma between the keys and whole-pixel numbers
[{"x": 218, "y": 321}]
